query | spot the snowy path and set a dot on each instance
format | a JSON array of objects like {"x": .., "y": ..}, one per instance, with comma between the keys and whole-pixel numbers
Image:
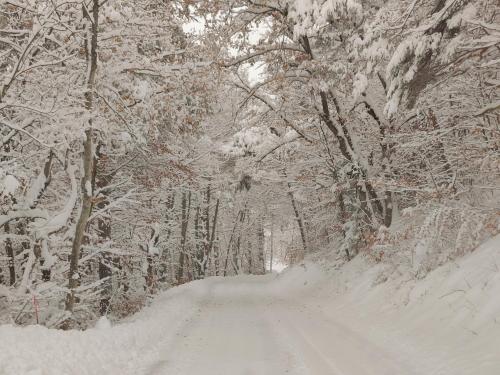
[
  {"x": 305, "y": 321},
  {"x": 240, "y": 329}
]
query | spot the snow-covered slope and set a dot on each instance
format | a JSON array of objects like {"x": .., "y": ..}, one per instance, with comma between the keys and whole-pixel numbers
[
  {"x": 447, "y": 323},
  {"x": 358, "y": 319}
]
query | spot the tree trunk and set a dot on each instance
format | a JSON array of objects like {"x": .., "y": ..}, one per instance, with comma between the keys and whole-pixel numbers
[
  {"x": 260, "y": 248},
  {"x": 166, "y": 254},
  {"x": 388, "y": 209},
  {"x": 217, "y": 257},
  {"x": 88, "y": 158},
  {"x": 212, "y": 235},
  {"x": 272, "y": 245},
  {"x": 105, "y": 271},
  {"x": 100, "y": 180},
  {"x": 10, "y": 256},
  {"x": 231, "y": 240},
  {"x": 342, "y": 219},
  {"x": 237, "y": 261},
  {"x": 186, "y": 207},
  {"x": 206, "y": 244},
  {"x": 199, "y": 245},
  {"x": 298, "y": 218},
  {"x": 151, "y": 282}
]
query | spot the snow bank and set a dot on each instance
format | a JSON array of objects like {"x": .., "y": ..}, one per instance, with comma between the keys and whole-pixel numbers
[
  {"x": 128, "y": 348},
  {"x": 447, "y": 323}
]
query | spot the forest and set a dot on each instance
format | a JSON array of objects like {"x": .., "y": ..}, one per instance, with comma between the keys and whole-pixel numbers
[{"x": 150, "y": 143}]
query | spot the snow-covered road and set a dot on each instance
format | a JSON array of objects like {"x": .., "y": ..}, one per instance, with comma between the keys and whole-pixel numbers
[
  {"x": 243, "y": 328},
  {"x": 230, "y": 334}
]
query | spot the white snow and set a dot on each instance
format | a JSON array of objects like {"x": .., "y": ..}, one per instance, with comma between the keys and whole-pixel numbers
[
  {"x": 35, "y": 190},
  {"x": 360, "y": 85},
  {"x": 253, "y": 139},
  {"x": 61, "y": 219},
  {"x": 88, "y": 188},
  {"x": 125, "y": 137},
  {"x": 10, "y": 185},
  {"x": 103, "y": 323},
  {"x": 489, "y": 108},
  {"x": 142, "y": 90},
  {"x": 357, "y": 319}
]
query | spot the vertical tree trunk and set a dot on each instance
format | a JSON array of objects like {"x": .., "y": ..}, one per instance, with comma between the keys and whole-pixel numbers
[
  {"x": 198, "y": 265},
  {"x": 217, "y": 257},
  {"x": 206, "y": 245},
  {"x": 260, "y": 248},
  {"x": 342, "y": 219},
  {"x": 167, "y": 258},
  {"x": 387, "y": 149},
  {"x": 272, "y": 245},
  {"x": 237, "y": 260},
  {"x": 388, "y": 209},
  {"x": 186, "y": 207},
  {"x": 212, "y": 237},
  {"x": 150, "y": 250},
  {"x": 10, "y": 256},
  {"x": 105, "y": 271},
  {"x": 100, "y": 180},
  {"x": 249, "y": 255},
  {"x": 88, "y": 158},
  {"x": 298, "y": 218},
  {"x": 231, "y": 240}
]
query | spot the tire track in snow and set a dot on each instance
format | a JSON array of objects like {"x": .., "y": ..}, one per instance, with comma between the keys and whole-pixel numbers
[{"x": 329, "y": 348}]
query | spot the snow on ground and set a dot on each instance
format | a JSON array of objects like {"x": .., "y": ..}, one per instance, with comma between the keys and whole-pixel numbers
[
  {"x": 127, "y": 348},
  {"x": 358, "y": 319},
  {"x": 445, "y": 324}
]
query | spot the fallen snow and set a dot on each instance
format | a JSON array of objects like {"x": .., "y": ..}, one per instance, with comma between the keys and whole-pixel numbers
[
  {"x": 445, "y": 324},
  {"x": 10, "y": 185},
  {"x": 358, "y": 319},
  {"x": 35, "y": 190},
  {"x": 127, "y": 348}
]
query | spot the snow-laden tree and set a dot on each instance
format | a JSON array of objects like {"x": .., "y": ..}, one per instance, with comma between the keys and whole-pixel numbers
[
  {"x": 386, "y": 95},
  {"x": 91, "y": 92}
]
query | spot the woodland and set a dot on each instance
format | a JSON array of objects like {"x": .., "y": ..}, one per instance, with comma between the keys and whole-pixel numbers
[{"x": 150, "y": 143}]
